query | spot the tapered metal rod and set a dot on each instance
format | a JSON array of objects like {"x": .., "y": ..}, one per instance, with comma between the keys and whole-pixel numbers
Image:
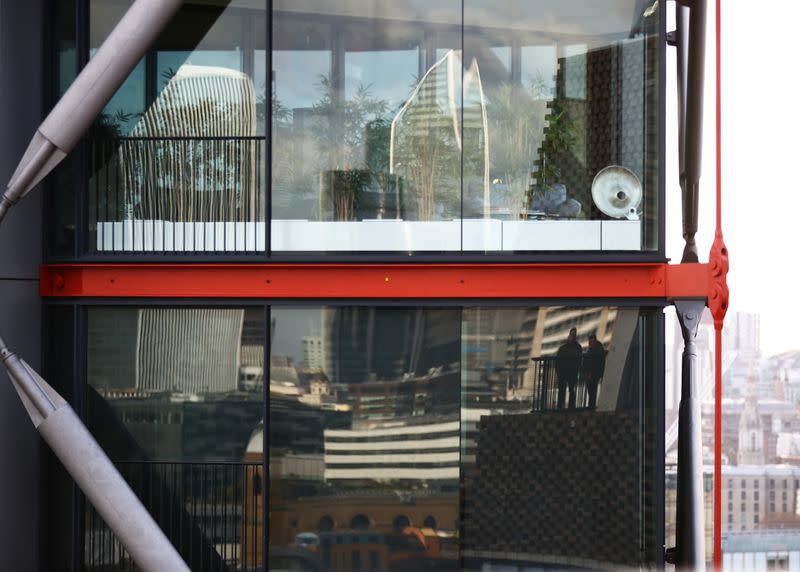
[
  {"x": 93, "y": 472},
  {"x": 690, "y": 39},
  {"x": 690, "y": 550},
  {"x": 89, "y": 93},
  {"x": 55, "y": 420}
]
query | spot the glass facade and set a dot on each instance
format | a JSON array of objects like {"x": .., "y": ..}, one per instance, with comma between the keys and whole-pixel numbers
[
  {"x": 396, "y": 436},
  {"x": 451, "y": 126},
  {"x": 392, "y": 438}
]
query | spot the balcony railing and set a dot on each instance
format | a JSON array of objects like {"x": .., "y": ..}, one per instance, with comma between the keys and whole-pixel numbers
[
  {"x": 187, "y": 194},
  {"x": 212, "y": 512},
  {"x": 209, "y": 194},
  {"x": 546, "y": 387}
]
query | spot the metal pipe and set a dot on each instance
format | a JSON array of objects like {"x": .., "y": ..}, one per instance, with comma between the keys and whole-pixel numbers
[
  {"x": 58, "y": 425},
  {"x": 92, "y": 470},
  {"x": 36, "y": 401},
  {"x": 89, "y": 93},
  {"x": 690, "y": 550},
  {"x": 690, "y": 39}
]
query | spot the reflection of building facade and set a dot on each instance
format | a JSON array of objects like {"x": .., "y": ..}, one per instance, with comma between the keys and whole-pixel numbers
[
  {"x": 392, "y": 451},
  {"x": 313, "y": 354},
  {"x": 757, "y": 501},
  {"x": 766, "y": 550},
  {"x": 760, "y": 497},
  {"x": 363, "y": 344},
  {"x": 502, "y": 343},
  {"x": 751, "y": 431},
  {"x": 158, "y": 350},
  {"x": 437, "y": 393},
  {"x": 743, "y": 342},
  {"x": 777, "y": 417}
]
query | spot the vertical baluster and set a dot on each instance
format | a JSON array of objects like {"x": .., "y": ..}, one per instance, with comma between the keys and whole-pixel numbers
[
  {"x": 176, "y": 204},
  {"x": 213, "y": 511},
  {"x": 93, "y": 182},
  {"x": 106, "y": 154},
  {"x": 241, "y": 489},
  {"x": 222, "y": 178},
  {"x": 195, "y": 207},
  {"x": 207, "y": 198},
  {"x": 242, "y": 149},
  {"x": 117, "y": 168},
  {"x": 225, "y": 537},
  {"x": 204, "y": 516},
  {"x": 148, "y": 483},
  {"x": 261, "y": 214},
  {"x": 101, "y": 553},
  {"x": 90, "y": 526},
  {"x": 164, "y": 518},
  {"x": 167, "y": 182},
  {"x": 173, "y": 502},
  {"x": 157, "y": 148},
  {"x": 253, "y": 517},
  {"x": 131, "y": 187},
  {"x": 192, "y": 510},
  {"x": 98, "y": 165}
]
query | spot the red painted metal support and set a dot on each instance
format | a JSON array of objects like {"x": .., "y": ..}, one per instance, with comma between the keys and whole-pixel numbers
[{"x": 377, "y": 281}]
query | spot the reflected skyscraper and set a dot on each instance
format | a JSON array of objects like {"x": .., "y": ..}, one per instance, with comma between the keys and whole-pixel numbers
[{"x": 362, "y": 344}]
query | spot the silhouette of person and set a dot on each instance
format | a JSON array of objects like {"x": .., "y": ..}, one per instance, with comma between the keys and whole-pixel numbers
[
  {"x": 594, "y": 364},
  {"x": 568, "y": 362}
]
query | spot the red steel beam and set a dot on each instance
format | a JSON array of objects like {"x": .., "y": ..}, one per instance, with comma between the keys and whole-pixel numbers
[{"x": 378, "y": 281}]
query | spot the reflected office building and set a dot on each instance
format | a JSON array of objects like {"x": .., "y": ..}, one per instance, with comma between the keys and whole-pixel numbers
[{"x": 175, "y": 396}]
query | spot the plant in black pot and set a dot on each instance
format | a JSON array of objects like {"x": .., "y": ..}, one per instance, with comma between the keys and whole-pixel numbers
[
  {"x": 547, "y": 195},
  {"x": 349, "y": 130}
]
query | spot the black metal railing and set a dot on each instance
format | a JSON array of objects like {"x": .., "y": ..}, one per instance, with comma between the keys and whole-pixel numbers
[
  {"x": 212, "y": 512},
  {"x": 550, "y": 394},
  {"x": 182, "y": 194}
]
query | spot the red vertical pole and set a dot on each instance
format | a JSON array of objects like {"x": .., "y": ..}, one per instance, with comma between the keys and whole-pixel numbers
[
  {"x": 718, "y": 324},
  {"x": 718, "y": 451}
]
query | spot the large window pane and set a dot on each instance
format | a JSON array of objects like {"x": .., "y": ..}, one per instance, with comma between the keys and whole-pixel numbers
[
  {"x": 569, "y": 89},
  {"x": 176, "y": 399},
  {"x": 176, "y": 160},
  {"x": 388, "y": 134},
  {"x": 465, "y": 439},
  {"x": 364, "y": 437},
  {"x": 559, "y": 456},
  {"x": 366, "y": 126},
  {"x": 493, "y": 147}
]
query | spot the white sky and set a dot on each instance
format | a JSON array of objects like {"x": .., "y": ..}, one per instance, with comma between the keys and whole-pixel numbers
[{"x": 760, "y": 163}]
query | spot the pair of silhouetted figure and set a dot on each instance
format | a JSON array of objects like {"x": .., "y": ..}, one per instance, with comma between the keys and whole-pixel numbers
[{"x": 572, "y": 362}]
